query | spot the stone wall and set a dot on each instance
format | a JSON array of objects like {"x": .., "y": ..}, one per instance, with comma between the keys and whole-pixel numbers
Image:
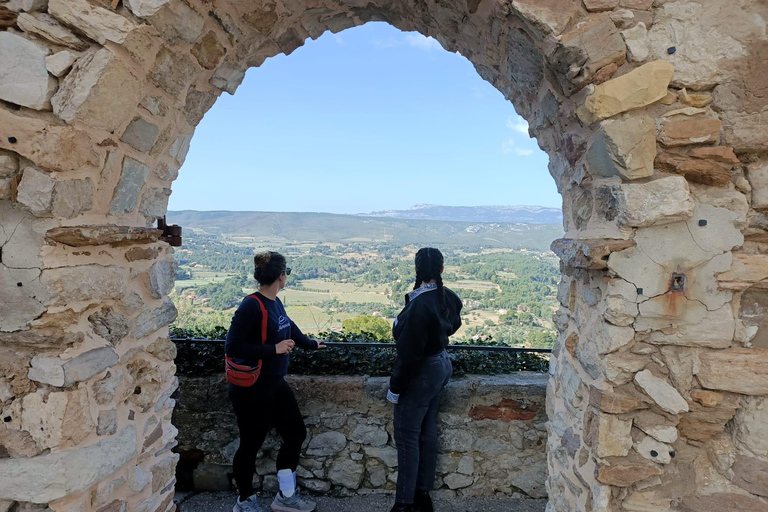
[
  {"x": 653, "y": 113},
  {"x": 492, "y": 440}
]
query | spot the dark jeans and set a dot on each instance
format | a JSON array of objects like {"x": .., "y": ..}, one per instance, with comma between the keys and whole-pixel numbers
[
  {"x": 268, "y": 403},
  {"x": 416, "y": 427}
]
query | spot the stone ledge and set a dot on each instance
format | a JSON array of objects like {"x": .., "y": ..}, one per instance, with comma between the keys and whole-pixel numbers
[
  {"x": 590, "y": 254},
  {"x": 115, "y": 236}
]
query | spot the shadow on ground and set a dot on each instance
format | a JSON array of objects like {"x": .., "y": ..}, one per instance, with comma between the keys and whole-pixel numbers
[{"x": 223, "y": 502}]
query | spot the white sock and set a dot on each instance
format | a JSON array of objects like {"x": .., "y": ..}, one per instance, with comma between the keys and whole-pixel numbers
[{"x": 286, "y": 479}]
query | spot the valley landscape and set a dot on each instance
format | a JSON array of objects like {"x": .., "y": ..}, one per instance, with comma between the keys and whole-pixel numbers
[{"x": 350, "y": 272}]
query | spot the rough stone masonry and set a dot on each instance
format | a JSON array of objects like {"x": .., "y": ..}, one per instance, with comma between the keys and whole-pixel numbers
[{"x": 653, "y": 113}]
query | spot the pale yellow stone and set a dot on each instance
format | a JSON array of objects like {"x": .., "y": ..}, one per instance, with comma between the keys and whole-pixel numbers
[
  {"x": 639, "y": 88},
  {"x": 614, "y": 437}
]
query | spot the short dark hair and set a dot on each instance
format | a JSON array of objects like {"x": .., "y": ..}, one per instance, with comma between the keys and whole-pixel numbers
[{"x": 268, "y": 266}]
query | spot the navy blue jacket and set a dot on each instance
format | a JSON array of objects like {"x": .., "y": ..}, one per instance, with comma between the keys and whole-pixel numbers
[{"x": 244, "y": 337}]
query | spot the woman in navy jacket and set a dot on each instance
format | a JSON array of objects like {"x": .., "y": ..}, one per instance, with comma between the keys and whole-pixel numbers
[
  {"x": 421, "y": 372},
  {"x": 269, "y": 402}
]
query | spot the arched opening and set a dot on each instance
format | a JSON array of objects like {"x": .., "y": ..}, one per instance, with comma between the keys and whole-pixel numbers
[{"x": 652, "y": 127}]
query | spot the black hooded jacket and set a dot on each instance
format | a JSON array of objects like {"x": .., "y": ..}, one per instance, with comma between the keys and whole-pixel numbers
[{"x": 421, "y": 330}]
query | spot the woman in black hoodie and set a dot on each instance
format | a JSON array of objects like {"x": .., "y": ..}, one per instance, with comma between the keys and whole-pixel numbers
[{"x": 421, "y": 372}]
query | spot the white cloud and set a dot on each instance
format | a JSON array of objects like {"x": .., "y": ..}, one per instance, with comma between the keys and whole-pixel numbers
[
  {"x": 509, "y": 146},
  {"x": 412, "y": 39},
  {"x": 523, "y": 152},
  {"x": 520, "y": 125},
  {"x": 422, "y": 42},
  {"x": 338, "y": 39}
]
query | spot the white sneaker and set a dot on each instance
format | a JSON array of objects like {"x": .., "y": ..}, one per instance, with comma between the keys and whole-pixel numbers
[
  {"x": 249, "y": 505},
  {"x": 293, "y": 504}
]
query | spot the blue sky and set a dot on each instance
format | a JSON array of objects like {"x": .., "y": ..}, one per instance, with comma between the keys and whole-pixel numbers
[{"x": 368, "y": 119}]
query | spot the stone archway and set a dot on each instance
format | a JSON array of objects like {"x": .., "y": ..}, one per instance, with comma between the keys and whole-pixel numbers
[{"x": 653, "y": 115}]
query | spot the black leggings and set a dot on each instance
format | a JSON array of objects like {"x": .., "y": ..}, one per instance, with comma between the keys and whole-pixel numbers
[{"x": 268, "y": 403}]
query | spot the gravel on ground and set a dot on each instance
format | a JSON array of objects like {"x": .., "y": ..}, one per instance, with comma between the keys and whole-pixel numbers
[{"x": 224, "y": 501}]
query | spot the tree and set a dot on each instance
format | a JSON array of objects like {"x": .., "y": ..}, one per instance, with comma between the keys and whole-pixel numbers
[{"x": 368, "y": 324}]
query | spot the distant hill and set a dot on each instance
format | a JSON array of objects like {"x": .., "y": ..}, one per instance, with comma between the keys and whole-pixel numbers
[
  {"x": 507, "y": 214},
  {"x": 271, "y": 227}
]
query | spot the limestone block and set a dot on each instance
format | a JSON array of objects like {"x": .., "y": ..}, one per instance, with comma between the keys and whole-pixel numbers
[
  {"x": 458, "y": 481},
  {"x": 24, "y": 79},
  {"x": 347, "y": 473},
  {"x": 110, "y": 325},
  {"x": 49, "y": 145},
  {"x": 162, "y": 276},
  {"x": 638, "y": 88},
  {"x": 704, "y": 423},
  {"x": 694, "y": 169},
  {"x": 370, "y": 434},
  {"x": 614, "y": 437},
  {"x": 141, "y": 135},
  {"x": 613, "y": 403},
  {"x": 547, "y": 17},
  {"x": 145, "y": 8},
  {"x": 60, "y": 63},
  {"x": 154, "y": 203},
  {"x": 677, "y": 320},
  {"x": 87, "y": 92},
  {"x": 163, "y": 472},
  {"x": 173, "y": 72},
  {"x": 9, "y": 165},
  {"x": 387, "y": 454},
  {"x": 654, "y": 451},
  {"x": 27, "y": 5},
  {"x": 89, "y": 364},
  {"x": 45, "y": 27},
  {"x": 624, "y": 147},
  {"x": 180, "y": 148},
  {"x": 52, "y": 476},
  {"x": 166, "y": 172},
  {"x": 594, "y": 44},
  {"x": 721, "y": 154},
  {"x": 209, "y": 51},
  {"x": 327, "y": 443},
  {"x": 104, "y": 389},
  {"x": 624, "y": 475},
  {"x": 647, "y": 501},
  {"x": 153, "y": 318},
  {"x": 621, "y": 367},
  {"x": 619, "y": 311},
  {"x": 198, "y": 103},
  {"x": 636, "y": 39},
  {"x": 758, "y": 179},
  {"x": 58, "y": 420},
  {"x": 587, "y": 253},
  {"x": 228, "y": 77},
  {"x": 115, "y": 236},
  {"x": 72, "y": 197},
  {"x": 600, "y": 5},
  {"x": 96, "y": 22},
  {"x": 107, "y": 424},
  {"x": 524, "y": 69},
  {"x": 132, "y": 180},
  {"x": 751, "y": 474},
  {"x": 155, "y": 105},
  {"x": 35, "y": 191},
  {"x": 750, "y": 425},
  {"x": 721, "y": 501},
  {"x": 138, "y": 479},
  {"x": 85, "y": 283},
  {"x": 742, "y": 371},
  {"x": 700, "y": 47},
  {"x": 177, "y": 20},
  {"x": 47, "y": 370},
  {"x": 661, "y": 201},
  {"x": 661, "y": 392},
  {"x": 662, "y": 434},
  {"x": 681, "y": 130}
]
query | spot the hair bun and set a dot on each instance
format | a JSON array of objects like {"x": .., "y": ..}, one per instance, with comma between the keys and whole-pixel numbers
[{"x": 262, "y": 259}]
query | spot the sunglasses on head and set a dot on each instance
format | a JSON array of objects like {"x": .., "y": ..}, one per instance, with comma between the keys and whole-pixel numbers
[{"x": 287, "y": 271}]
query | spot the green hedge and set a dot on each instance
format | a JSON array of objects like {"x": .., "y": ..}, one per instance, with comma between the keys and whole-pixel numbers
[{"x": 207, "y": 358}]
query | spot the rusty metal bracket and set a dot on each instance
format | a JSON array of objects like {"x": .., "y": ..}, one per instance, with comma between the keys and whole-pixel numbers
[{"x": 171, "y": 234}]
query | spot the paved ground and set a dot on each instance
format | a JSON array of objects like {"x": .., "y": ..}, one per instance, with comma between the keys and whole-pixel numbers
[{"x": 222, "y": 502}]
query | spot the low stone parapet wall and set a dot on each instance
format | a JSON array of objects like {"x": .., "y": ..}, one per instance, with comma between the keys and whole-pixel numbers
[{"x": 492, "y": 436}]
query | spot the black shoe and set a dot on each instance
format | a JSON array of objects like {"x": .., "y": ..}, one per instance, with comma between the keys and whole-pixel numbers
[
  {"x": 402, "y": 507},
  {"x": 422, "y": 502}
]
